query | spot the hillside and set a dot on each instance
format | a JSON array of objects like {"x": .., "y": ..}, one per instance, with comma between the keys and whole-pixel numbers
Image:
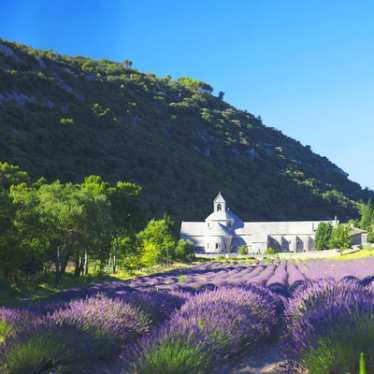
[{"x": 67, "y": 117}]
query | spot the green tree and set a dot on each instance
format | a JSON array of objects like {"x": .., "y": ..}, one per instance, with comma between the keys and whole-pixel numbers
[
  {"x": 243, "y": 250},
  {"x": 32, "y": 244},
  {"x": 371, "y": 234},
  {"x": 366, "y": 215},
  {"x": 184, "y": 251},
  {"x": 323, "y": 236},
  {"x": 61, "y": 214},
  {"x": 195, "y": 84},
  {"x": 127, "y": 214},
  {"x": 11, "y": 175},
  {"x": 341, "y": 237},
  {"x": 157, "y": 241},
  {"x": 8, "y": 249},
  {"x": 97, "y": 224}
]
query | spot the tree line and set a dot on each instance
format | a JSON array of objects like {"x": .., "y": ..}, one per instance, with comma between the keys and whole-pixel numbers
[
  {"x": 328, "y": 236},
  {"x": 48, "y": 227},
  {"x": 366, "y": 221}
]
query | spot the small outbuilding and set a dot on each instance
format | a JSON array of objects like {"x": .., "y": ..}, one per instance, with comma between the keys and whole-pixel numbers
[{"x": 359, "y": 237}]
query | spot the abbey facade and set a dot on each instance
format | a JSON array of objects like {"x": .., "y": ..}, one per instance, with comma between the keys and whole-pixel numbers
[{"x": 225, "y": 232}]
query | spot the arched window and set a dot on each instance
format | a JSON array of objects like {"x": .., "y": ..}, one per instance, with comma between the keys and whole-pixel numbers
[
  {"x": 217, "y": 245},
  {"x": 219, "y": 207}
]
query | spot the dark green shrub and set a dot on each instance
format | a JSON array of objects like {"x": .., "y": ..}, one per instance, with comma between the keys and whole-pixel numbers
[
  {"x": 46, "y": 351},
  {"x": 157, "y": 242},
  {"x": 323, "y": 236},
  {"x": 337, "y": 351},
  {"x": 341, "y": 237},
  {"x": 243, "y": 250},
  {"x": 184, "y": 251},
  {"x": 269, "y": 251}
]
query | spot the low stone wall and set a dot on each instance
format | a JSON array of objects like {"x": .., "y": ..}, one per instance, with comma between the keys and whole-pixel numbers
[
  {"x": 282, "y": 255},
  {"x": 309, "y": 255}
]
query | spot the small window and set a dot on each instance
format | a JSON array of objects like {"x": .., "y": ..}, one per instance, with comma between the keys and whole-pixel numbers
[
  {"x": 219, "y": 207},
  {"x": 217, "y": 245}
]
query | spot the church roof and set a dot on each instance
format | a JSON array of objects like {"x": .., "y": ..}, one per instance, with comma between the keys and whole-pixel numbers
[
  {"x": 280, "y": 228},
  {"x": 221, "y": 215},
  {"x": 218, "y": 230},
  {"x": 356, "y": 230},
  {"x": 219, "y": 198},
  {"x": 193, "y": 228}
]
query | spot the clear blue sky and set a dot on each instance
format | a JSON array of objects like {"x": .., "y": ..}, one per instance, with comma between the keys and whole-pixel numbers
[{"x": 307, "y": 67}]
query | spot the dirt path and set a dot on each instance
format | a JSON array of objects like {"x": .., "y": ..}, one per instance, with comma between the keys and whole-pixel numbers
[{"x": 268, "y": 360}]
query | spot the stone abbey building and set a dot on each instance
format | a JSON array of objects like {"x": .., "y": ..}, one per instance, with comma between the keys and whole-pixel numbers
[{"x": 225, "y": 232}]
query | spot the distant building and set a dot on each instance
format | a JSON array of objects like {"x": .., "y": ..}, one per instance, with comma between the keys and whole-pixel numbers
[
  {"x": 359, "y": 237},
  {"x": 224, "y": 232}
]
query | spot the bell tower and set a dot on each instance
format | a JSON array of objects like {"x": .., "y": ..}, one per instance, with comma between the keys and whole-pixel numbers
[{"x": 219, "y": 203}]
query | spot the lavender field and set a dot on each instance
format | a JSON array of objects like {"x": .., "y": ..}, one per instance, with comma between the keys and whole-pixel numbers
[
  {"x": 196, "y": 320},
  {"x": 283, "y": 277}
]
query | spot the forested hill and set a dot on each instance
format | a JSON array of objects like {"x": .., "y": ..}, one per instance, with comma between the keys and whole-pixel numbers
[{"x": 67, "y": 117}]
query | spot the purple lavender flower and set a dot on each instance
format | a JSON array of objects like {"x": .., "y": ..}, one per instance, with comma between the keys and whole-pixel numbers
[
  {"x": 111, "y": 322},
  {"x": 220, "y": 323},
  {"x": 46, "y": 347},
  {"x": 157, "y": 305},
  {"x": 323, "y": 305}
]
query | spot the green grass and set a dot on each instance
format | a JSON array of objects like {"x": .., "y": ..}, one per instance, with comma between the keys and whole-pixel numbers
[
  {"x": 345, "y": 256},
  {"x": 305, "y": 256},
  {"x": 229, "y": 260},
  {"x": 182, "y": 278}
]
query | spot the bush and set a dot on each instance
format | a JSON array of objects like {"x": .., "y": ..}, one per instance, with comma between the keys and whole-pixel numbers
[
  {"x": 339, "y": 349},
  {"x": 184, "y": 251},
  {"x": 47, "y": 349},
  {"x": 172, "y": 357},
  {"x": 323, "y": 236},
  {"x": 341, "y": 237},
  {"x": 151, "y": 254},
  {"x": 157, "y": 242},
  {"x": 157, "y": 305},
  {"x": 269, "y": 251},
  {"x": 243, "y": 250},
  {"x": 111, "y": 323},
  {"x": 322, "y": 307},
  {"x": 212, "y": 326},
  {"x": 12, "y": 321},
  {"x": 371, "y": 234}
]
